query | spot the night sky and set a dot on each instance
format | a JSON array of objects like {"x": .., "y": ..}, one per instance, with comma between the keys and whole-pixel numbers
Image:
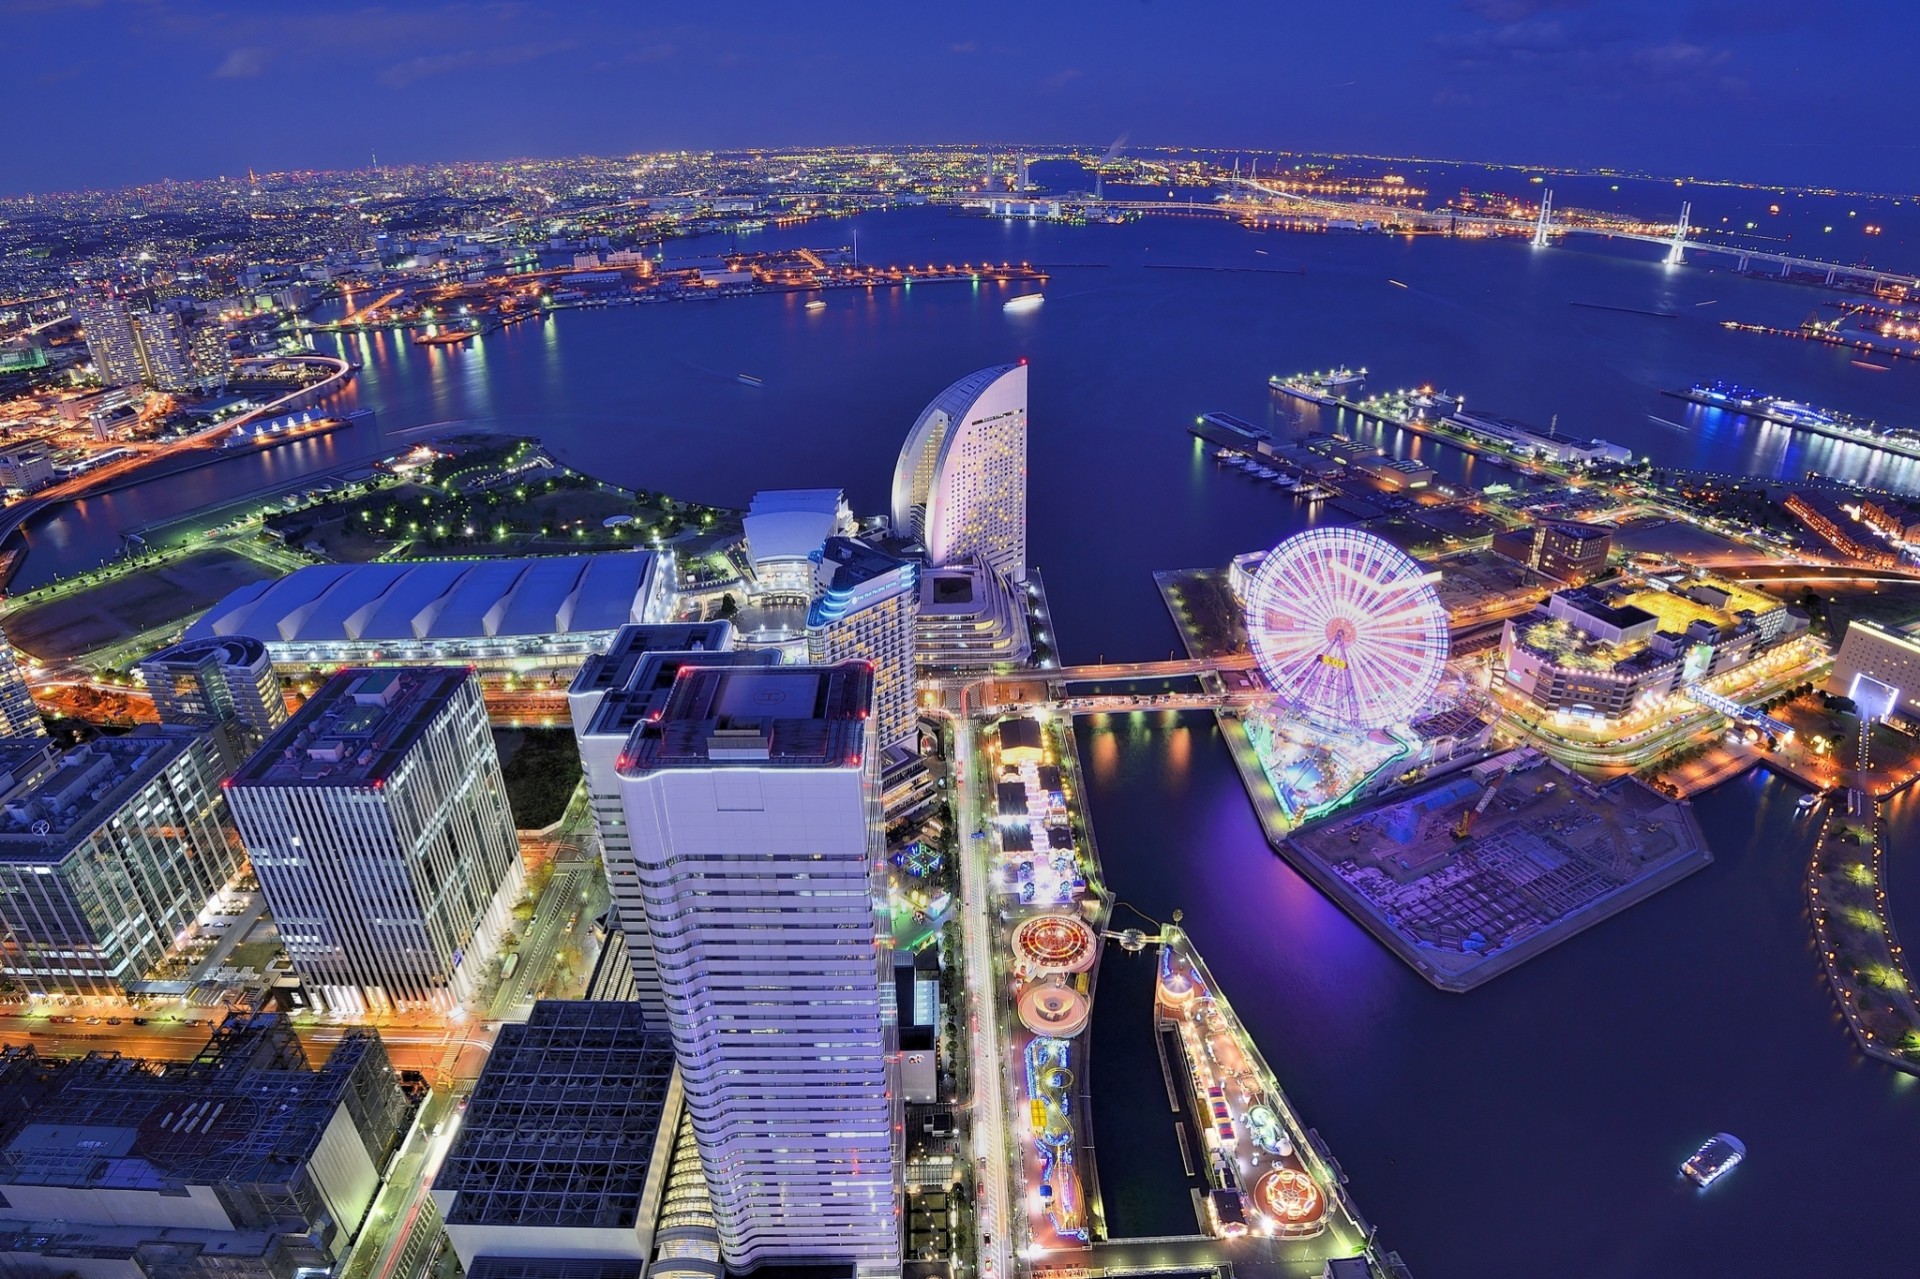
[{"x": 123, "y": 91}]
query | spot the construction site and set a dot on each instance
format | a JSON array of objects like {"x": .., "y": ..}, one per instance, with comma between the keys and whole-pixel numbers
[{"x": 1479, "y": 872}]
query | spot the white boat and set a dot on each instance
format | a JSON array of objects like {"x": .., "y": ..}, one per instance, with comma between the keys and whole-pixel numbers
[
  {"x": 1715, "y": 1158},
  {"x": 1025, "y": 302},
  {"x": 818, "y": 304}
]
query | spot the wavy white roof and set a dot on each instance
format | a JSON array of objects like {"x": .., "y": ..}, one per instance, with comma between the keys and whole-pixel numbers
[{"x": 439, "y": 600}]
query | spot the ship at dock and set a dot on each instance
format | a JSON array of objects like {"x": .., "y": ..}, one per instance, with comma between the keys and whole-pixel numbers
[
  {"x": 1326, "y": 389},
  {"x": 1801, "y": 417},
  {"x": 445, "y": 337},
  {"x": 1714, "y": 1160}
]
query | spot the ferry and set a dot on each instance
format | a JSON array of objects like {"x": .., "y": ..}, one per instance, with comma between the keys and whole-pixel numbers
[
  {"x": 1025, "y": 302},
  {"x": 818, "y": 304},
  {"x": 446, "y": 337},
  {"x": 1715, "y": 1158},
  {"x": 1321, "y": 388}
]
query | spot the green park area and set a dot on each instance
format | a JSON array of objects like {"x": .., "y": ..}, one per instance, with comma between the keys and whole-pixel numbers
[
  {"x": 541, "y": 767},
  {"x": 1857, "y": 942},
  {"x": 492, "y": 496},
  {"x": 1210, "y": 619}
]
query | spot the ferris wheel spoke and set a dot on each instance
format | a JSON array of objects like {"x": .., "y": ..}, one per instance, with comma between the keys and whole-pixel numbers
[{"x": 1347, "y": 628}]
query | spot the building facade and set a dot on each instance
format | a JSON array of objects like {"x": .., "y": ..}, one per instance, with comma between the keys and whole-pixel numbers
[
  {"x": 107, "y": 322},
  {"x": 108, "y": 854},
  {"x": 377, "y": 822},
  {"x": 960, "y": 485},
  {"x": 784, "y": 530},
  {"x": 1879, "y": 668},
  {"x": 563, "y": 1152},
  {"x": 753, "y": 804},
  {"x": 607, "y": 700},
  {"x": 19, "y": 716},
  {"x": 521, "y": 616},
  {"x": 227, "y": 682},
  {"x": 244, "y": 1163},
  {"x": 26, "y": 466},
  {"x": 864, "y": 609},
  {"x": 969, "y": 618}
]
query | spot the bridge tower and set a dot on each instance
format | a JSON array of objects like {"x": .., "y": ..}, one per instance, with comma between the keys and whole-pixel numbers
[
  {"x": 1543, "y": 225},
  {"x": 1677, "y": 249}
]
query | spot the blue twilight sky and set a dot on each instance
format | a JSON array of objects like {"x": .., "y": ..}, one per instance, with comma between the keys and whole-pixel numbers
[{"x": 108, "y": 92}]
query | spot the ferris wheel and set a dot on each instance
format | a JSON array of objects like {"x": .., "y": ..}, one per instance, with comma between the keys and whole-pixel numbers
[{"x": 1347, "y": 628}]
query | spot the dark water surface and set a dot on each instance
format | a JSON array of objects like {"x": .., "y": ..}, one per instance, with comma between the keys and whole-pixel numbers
[{"x": 1536, "y": 1125}]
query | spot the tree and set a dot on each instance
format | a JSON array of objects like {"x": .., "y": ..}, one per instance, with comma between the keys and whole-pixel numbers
[{"x": 729, "y": 609}]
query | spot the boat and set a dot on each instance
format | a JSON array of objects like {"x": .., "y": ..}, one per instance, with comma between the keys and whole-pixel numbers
[
  {"x": 1869, "y": 364},
  {"x": 1715, "y": 1158},
  {"x": 1809, "y": 802},
  {"x": 1326, "y": 389},
  {"x": 747, "y": 379},
  {"x": 818, "y": 304},
  {"x": 446, "y": 337},
  {"x": 1025, "y": 302}
]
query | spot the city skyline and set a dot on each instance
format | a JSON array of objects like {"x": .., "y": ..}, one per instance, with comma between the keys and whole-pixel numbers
[
  {"x": 1724, "y": 91},
  {"x": 735, "y": 710}
]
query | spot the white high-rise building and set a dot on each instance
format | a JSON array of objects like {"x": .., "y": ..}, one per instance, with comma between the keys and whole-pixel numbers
[
  {"x": 108, "y": 325},
  {"x": 864, "y": 608},
  {"x": 19, "y": 716},
  {"x": 960, "y": 485},
  {"x": 377, "y": 822},
  {"x": 607, "y": 700},
  {"x": 753, "y": 806}
]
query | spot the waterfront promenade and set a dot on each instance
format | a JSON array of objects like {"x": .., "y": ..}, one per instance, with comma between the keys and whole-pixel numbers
[{"x": 1861, "y": 952}]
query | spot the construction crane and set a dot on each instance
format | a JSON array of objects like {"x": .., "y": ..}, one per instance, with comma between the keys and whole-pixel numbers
[{"x": 1465, "y": 824}]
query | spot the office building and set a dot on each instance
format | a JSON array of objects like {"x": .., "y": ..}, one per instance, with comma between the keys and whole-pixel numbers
[
  {"x": 109, "y": 855},
  {"x": 607, "y": 700},
  {"x": 960, "y": 486},
  {"x": 785, "y": 529},
  {"x": 864, "y": 608},
  {"x": 563, "y": 1153},
  {"x": 753, "y": 806},
  {"x": 377, "y": 822},
  {"x": 1566, "y": 551},
  {"x": 19, "y": 717},
  {"x": 107, "y": 322},
  {"x": 217, "y": 683},
  {"x": 26, "y": 467},
  {"x": 525, "y": 616},
  {"x": 244, "y": 1163},
  {"x": 1879, "y": 668}
]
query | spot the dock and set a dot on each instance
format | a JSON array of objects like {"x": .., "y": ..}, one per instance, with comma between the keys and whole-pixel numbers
[{"x": 1862, "y": 435}]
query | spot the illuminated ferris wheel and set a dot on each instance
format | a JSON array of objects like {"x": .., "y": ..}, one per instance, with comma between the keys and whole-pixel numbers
[{"x": 1347, "y": 628}]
